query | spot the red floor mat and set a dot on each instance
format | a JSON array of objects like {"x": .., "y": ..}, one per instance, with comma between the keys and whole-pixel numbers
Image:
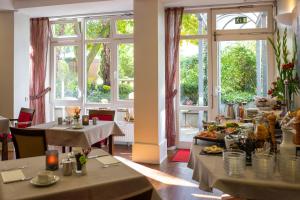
[{"x": 182, "y": 155}]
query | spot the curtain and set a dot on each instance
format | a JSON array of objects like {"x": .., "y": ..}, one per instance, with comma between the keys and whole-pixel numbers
[
  {"x": 173, "y": 20},
  {"x": 39, "y": 41}
]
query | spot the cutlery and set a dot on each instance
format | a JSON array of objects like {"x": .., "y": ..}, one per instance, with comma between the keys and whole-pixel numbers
[
  {"x": 96, "y": 156},
  {"x": 14, "y": 168},
  {"x": 23, "y": 179},
  {"x": 106, "y": 166}
]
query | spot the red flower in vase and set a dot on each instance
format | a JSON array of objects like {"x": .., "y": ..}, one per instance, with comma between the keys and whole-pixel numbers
[{"x": 288, "y": 66}]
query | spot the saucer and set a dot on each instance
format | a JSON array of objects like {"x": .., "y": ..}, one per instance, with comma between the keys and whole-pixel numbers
[
  {"x": 77, "y": 127},
  {"x": 35, "y": 181}
]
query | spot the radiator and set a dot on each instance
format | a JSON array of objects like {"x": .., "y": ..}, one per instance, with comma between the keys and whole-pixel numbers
[{"x": 128, "y": 129}]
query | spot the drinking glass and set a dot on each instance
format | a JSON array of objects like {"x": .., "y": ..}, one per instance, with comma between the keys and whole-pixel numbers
[
  {"x": 289, "y": 168},
  {"x": 263, "y": 165},
  {"x": 234, "y": 162}
]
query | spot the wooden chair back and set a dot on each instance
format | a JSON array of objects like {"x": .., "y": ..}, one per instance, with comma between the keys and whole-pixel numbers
[
  {"x": 28, "y": 142},
  {"x": 103, "y": 115}
]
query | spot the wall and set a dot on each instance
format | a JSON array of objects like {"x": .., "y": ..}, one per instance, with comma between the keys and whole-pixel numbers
[
  {"x": 285, "y": 6},
  {"x": 6, "y": 63},
  {"x": 21, "y": 61}
]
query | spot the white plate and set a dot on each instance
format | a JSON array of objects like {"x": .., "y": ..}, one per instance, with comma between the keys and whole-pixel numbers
[
  {"x": 35, "y": 182},
  {"x": 77, "y": 127}
]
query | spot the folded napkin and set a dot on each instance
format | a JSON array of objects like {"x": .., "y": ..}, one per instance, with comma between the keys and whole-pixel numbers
[
  {"x": 14, "y": 175},
  {"x": 107, "y": 160}
]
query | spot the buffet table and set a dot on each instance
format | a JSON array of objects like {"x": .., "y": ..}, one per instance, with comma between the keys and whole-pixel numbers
[
  {"x": 113, "y": 182},
  {"x": 209, "y": 172}
]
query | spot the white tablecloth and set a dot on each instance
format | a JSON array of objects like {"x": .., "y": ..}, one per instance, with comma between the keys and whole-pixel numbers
[
  {"x": 84, "y": 137},
  {"x": 114, "y": 182},
  {"x": 4, "y": 125},
  {"x": 209, "y": 172}
]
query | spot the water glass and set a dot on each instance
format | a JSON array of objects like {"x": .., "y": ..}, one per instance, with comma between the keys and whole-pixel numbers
[
  {"x": 289, "y": 168},
  {"x": 234, "y": 162},
  {"x": 263, "y": 165}
]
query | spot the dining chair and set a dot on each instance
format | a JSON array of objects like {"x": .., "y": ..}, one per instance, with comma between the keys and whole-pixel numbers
[
  {"x": 24, "y": 119},
  {"x": 102, "y": 115},
  {"x": 28, "y": 142}
]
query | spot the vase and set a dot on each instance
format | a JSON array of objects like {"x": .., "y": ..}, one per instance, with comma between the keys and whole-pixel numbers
[
  {"x": 287, "y": 146},
  {"x": 230, "y": 111}
]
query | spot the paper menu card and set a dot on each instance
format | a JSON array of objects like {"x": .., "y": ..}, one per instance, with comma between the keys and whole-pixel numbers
[
  {"x": 10, "y": 176},
  {"x": 107, "y": 160}
]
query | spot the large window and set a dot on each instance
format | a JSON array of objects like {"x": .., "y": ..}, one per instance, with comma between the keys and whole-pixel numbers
[{"x": 92, "y": 63}]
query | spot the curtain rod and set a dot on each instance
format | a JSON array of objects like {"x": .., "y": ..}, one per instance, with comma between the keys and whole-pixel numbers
[{"x": 124, "y": 13}]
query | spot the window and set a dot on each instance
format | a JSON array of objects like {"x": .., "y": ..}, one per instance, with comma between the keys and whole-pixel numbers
[
  {"x": 92, "y": 63},
  {"x": 65, "y": 29},
  {"x": 125, "y": 71},
  {"x": 66, "y": 72}
]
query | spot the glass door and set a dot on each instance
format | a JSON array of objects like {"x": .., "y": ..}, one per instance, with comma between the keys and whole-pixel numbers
[
  {"x": 241, "y": 55},
  {"x": 242, "y": 72}
]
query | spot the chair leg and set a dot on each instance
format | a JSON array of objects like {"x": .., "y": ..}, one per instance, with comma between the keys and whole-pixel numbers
[
  {"x": 111, "y": 144},
  {"x": 63, "y": 149},
  {"x": 5, "y": 147}
]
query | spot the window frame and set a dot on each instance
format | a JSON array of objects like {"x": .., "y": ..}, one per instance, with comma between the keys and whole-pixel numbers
[
  {"x": 113, "y": 40},
  {"x": 68, "y": 38}
]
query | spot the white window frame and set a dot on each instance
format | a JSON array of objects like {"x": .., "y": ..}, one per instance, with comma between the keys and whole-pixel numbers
[
  {"x": 114, "y": 39},
  {"x": 69, "y": 38}
]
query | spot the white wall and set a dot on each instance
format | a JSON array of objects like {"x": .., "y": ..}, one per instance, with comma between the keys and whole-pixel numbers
[
  {"x": 6, "y": 63},
  {"x": 149, "y": 80},
  {"x": 6, "y": 5},
  {"x": 21, "y": 62}
]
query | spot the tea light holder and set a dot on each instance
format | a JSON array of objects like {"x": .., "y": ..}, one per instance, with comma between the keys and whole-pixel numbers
[
  {"x": 51, "y": 160},
  {"x": 85, "y": 120}
]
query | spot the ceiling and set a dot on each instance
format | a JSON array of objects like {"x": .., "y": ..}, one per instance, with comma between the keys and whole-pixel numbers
[{"x": 56, "y": 8}]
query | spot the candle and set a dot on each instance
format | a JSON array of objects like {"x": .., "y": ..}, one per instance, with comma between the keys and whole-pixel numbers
[
  {"x": 85, "y": 120},
  {"x": 52, "y": 160}
]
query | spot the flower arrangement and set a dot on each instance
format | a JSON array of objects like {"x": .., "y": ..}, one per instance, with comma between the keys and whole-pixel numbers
[
  {"x": 77, "y": 114},
  {"x": 81, "y": 159},
  {"x": 286, "y": 70}
]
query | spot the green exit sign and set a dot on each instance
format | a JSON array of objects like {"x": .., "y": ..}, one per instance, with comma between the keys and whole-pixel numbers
[{"x": 241, "y": 20}]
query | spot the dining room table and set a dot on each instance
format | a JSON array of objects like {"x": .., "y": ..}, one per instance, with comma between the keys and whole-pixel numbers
[
  {"x": 116, "y": 181},
  {"x": 208, "y": 171},
  {"x": 82, "y": 136},
  {"x": 4, "y": 131}
]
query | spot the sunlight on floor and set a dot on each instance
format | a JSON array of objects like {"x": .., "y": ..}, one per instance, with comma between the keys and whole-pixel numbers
[
  {"x": 156, "y": 174},
  {"x": 206, "y": 196}
]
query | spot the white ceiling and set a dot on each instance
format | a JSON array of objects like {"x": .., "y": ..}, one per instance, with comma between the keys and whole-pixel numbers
[{"x": 52, "y": 8}]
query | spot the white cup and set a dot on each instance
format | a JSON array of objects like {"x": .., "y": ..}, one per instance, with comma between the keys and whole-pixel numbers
[{"x": 45, "y": 177}]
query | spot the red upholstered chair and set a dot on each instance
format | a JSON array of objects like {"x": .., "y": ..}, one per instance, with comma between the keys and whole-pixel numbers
[
  {"x": 25, "y": 118},
  {"x": 102, "y": 115}
]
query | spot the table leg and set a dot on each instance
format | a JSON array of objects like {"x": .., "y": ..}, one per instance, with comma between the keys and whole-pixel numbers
[
  {"x": 5, "y": 147},
  {"x": 111, "y": 144}
]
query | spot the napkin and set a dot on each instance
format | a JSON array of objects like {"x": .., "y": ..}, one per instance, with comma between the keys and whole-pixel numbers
[
  {"x": 14, "y": 175},
  {"x": 107, "y": 160}
]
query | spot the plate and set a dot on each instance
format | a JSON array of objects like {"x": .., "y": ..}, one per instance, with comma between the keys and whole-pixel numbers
[
  {"x": 77, "y": 127},
  {"x": 35, "y": 182}
]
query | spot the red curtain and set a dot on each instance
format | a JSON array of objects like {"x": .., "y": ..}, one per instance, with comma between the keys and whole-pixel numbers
[
  {"x": 39, "y": 40},
  {"x": 173, "y": 20}
]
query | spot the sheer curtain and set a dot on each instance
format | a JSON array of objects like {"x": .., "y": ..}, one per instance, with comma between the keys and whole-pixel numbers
[
  {"x": 39, "y": 41},
  {"x": 173, "y": 20}
]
